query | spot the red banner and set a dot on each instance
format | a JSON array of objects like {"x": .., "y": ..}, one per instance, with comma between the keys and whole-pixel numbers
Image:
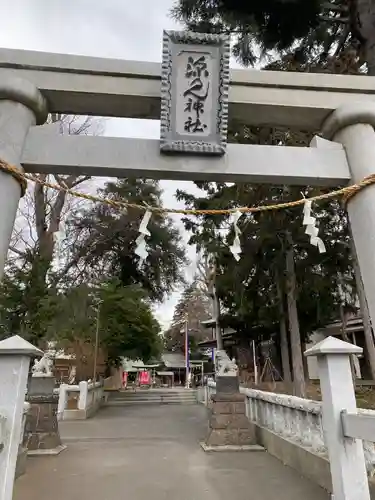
[
  {"x": 124, "y": 379},
  {"x": 145, "y": 378}
]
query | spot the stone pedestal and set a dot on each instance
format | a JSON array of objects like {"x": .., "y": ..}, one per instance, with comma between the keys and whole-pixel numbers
[
  {"x": 227, "y": 385},
  {"x": 42, "y": 435},
  {"x": 229, "y": 427}
]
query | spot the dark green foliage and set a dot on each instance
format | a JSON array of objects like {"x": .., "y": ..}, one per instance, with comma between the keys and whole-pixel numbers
[
  {"x": 274, "y": 20},
  {"x": 106, "y": 240},
  {"x": 247, "y": 288},
  {"x": 127, "y": 325},
  {"x": 310, "y": 29},
  {"x": 24, "y": 298},
  {"x": 44, "y": 304}
]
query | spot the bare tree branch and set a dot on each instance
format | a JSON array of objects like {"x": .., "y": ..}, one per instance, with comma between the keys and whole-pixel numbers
[
  {"x": 43, "y": 209},
  {"x": 40, "y": 209},
  {"x": 15, "y": 250}
]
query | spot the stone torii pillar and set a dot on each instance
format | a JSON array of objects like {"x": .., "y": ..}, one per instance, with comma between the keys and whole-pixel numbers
[
  {"x": 21, "y": 106},
  {"x": 353, "y": 126}
]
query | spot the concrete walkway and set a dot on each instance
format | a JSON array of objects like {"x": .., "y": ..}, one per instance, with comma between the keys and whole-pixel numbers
[{"x": 148, "y": 451}]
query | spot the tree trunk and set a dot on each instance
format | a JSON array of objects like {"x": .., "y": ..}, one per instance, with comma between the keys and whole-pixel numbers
[
  {"x": 295, "y": 337},
  {"x": 367, "y": 330},
  {"x": 211, "y": 286},
  {"x": 216, "y": 310},
  {"x": 284, "y": 344},
  {"x": 48, "y": 214},
  {"x": 363, "y": 19}
]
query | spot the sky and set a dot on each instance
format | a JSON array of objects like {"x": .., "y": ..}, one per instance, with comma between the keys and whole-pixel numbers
[{"x": 117, "y": 29}]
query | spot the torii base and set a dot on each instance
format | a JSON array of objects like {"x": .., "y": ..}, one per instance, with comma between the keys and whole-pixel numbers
[{"x": 229, "y": 427}]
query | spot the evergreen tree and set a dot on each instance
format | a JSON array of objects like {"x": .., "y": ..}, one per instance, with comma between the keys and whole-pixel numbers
[
  {"x": 279, "y": 270},
  {"x": 334, "y": 36},
  {"x": 105, "y": 240},
  {"x": 24, "y": 300},
  {"x": 70, "y": 318},
  {"x": 102, "y": 243},
  {"x": 128, "y": 327},
  {"x": 269, "y": 28}
]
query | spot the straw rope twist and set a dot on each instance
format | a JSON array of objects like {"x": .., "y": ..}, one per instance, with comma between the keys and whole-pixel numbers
[
  {"x": 347, "y": 193},
  {"x": 16, "y": 173}
]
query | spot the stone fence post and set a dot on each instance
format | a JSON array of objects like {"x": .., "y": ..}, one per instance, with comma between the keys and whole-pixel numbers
[
  {"x": 346, "y": 455},
  {"x": 62, "y": 401},
  {"x": 15, "y": 355},
  {"x": 83, "y": 395}
]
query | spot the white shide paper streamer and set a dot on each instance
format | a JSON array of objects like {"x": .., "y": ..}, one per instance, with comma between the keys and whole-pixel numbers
[
  {"x": 309, "y": 221},
  {"x": 141, "y": 249},
  {"x": 235, "y": 248}
]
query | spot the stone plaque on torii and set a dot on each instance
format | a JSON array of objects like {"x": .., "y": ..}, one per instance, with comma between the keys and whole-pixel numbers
[
  {"x": 194, "y": 93},
  {"x": 190, "y": 94}
]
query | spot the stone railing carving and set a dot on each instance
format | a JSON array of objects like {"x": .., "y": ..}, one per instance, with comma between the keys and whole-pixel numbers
[{"x": 295, "y": 419}]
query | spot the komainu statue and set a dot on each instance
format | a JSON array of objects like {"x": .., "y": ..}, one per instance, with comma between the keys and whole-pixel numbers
[
  {"x": 224, "y": 366},
  {"x": 43, "y": 367}
]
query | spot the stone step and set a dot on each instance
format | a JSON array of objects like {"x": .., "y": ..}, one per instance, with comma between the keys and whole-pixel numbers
[
  {"x": 160, "y": 400},
  {"x": 151, "y": 402},
  {"x": 151, "y": 393},
  {"x": 142, "y": 396},
  {"x": 153, "y": 397}
]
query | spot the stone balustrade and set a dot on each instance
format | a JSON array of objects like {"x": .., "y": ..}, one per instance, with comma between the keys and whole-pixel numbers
[
  {"x": 78, "y": 402},
  {"x": 295, "y": 420}
]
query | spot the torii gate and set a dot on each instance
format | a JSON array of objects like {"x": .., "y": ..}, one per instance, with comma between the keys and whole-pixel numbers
[
  {"x": 190, "y": 95},
  {"x": 33, "y": 84}
]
